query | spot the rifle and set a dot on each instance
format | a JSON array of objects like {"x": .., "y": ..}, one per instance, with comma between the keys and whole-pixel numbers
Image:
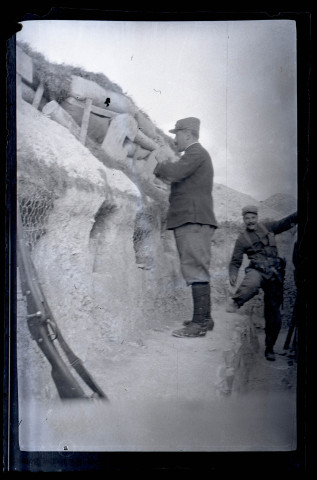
[
  {"x": 292, "y": 328},
  {"x": 44, "y": 329},
  {"x": 289, "y": 336}
]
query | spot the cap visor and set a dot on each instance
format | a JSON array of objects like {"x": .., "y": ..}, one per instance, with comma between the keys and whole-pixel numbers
[{"x": 173, "y": 131}]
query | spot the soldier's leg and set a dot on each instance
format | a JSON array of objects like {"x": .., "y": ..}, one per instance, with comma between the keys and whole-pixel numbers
[
  {"x": 249, "y": 287},
  {"x": 193, "y": 243}
]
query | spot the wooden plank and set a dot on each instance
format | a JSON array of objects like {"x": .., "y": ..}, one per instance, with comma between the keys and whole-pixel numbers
[
  {"x": 85, "y": 121},
  {"x": 38, "y": 95},
  {"x": 24, "y": 65},
  {"x": 98, "y": 110},
  {"x": 103, "y": 112}
]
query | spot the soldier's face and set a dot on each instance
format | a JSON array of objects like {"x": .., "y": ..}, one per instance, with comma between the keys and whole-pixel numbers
[
  {"x": 181, "y": 140},
  {"x": 250, "y": 220}
]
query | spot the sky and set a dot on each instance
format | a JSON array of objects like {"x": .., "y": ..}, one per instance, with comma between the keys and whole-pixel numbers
[{"x": 237, "y": 77}]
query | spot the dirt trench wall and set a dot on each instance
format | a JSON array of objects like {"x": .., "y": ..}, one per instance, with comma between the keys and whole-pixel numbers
[
  {"x": 240, "y": 359},
  {"x": 104, "y": 264},
  {"x": 132, "y": 273}
]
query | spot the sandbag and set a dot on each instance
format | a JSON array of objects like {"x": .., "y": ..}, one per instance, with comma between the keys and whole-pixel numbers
[
  {"x": 28, "y": 94},
  {"x": 54, "y": 111},
  {"x": 141, "y": 153},
  {"x": 121, "y": 127},
  {"x": 97, "y": 126},
  {"x": 130, "y": 147},
  {"x": 145, "y": 141},
  {"x": 81, "y": 88},
  {"x": 145, "y": 124},
  {"x": 146, "y": 166}
]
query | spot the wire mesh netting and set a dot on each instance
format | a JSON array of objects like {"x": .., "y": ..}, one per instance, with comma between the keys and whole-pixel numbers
[{"x": 34, "y": 204}]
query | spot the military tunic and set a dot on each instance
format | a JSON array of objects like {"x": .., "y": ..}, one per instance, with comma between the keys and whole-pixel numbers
[{"x": 191, "y": 215}]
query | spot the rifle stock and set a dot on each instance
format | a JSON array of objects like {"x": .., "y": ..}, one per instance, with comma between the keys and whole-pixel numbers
[
  {"x": 38, "y": 318},
  {"x": 289, "y": 336}
]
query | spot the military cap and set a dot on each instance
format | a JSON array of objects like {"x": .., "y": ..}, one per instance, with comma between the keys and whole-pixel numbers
[
  {"x": 250, "y": 209},
  {"x": 190, "y": 123}
]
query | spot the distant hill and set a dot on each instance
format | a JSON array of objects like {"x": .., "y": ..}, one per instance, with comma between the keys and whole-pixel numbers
[
  {"x": 228, "y": 204},
  {"x": 281, "y": 202}
]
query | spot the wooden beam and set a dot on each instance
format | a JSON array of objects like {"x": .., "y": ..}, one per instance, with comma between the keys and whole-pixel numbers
[
  {"x": 38, "y": 95},
  {"x": 103, "y": 112},
  {"x": 85, "y": 120}
]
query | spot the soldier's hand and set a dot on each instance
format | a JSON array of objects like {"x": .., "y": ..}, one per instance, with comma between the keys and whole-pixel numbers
[
  {"x": 233, "y": 279},
  {"x": 161, "y": 155}
]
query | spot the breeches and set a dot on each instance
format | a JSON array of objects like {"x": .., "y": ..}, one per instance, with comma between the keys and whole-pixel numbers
[
  {"x": 193, "y": 242},
  {"x": 273, "y": 295}
]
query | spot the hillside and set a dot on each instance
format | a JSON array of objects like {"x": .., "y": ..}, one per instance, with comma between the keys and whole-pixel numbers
[
  {"x": 229, "y": 203},
  {"x": 282, "y": 203}
]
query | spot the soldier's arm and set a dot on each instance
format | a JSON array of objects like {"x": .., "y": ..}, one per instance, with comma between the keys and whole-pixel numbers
[
  {"x": 178, "y": 171},
  {"x": 161, "y": 175},
  {"x": 282, "y": 225}
]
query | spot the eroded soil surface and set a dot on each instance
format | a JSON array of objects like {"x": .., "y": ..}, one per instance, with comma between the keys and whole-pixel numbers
[{"x": 165, "y": 395}]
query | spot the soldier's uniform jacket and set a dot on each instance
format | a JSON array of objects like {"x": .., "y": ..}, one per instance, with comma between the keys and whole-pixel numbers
[
  {"x": 260, "y": 245},
  {"x": 191, "y": 180}
]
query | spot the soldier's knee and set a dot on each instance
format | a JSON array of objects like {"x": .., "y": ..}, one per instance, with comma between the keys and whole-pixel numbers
[{"x": 250, "y": 286}]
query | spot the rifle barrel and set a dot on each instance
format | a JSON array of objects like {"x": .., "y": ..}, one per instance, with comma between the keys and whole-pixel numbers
[{"x": 37, "y": 319}]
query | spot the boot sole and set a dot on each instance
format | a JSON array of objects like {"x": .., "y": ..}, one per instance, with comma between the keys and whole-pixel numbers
[
  {"x": 179, "y": 335},
  {"x": 209, "y": 328},
  {"x": 270, "y": 359}
]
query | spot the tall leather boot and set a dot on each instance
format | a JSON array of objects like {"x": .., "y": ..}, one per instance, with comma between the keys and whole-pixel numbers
[
  {"x": 198, "y": 326},
  {"x": 210, "y": 321}
]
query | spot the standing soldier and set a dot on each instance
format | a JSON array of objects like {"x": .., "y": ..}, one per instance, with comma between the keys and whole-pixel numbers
[
  {"x": 192, "y": 219},
  {"x": 265, "y": 270}
]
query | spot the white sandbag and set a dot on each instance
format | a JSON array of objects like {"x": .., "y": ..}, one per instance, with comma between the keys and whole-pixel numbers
[
  {"x": 145, "y": 141},
  {"x": 121, "y": 127},
  {"x": 141, "y": 153},
  {"x": 54, "y": 111},
  {"x": 27, "y": 93},
  {"x": 145, "y": 124},
  {"x": 130, "y": 147}
]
